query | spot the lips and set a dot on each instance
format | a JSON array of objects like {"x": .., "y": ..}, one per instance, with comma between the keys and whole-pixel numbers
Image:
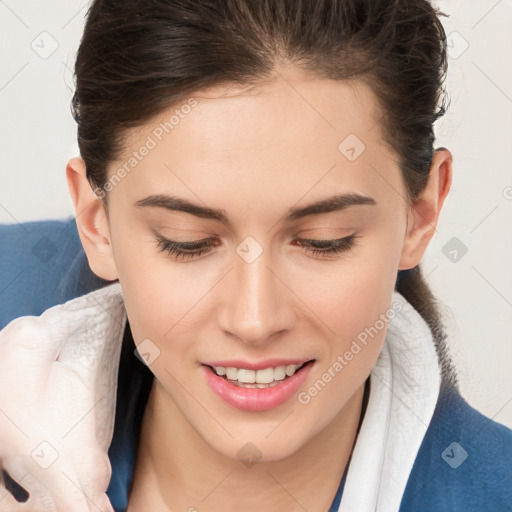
[{"x": 252, "y": 390}]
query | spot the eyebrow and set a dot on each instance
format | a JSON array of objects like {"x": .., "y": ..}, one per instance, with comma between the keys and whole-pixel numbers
[{"x": 330, "y": 204}]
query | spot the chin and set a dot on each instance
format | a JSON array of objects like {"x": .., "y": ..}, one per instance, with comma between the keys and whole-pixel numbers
[{"x": 256, "y": 445}]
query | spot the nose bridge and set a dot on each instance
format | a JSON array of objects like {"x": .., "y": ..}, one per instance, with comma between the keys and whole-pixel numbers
[{"x": 256, "y": 306}]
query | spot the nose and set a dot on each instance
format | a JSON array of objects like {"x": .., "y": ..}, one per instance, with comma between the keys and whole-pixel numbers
[{"x": 257, "y": 304}]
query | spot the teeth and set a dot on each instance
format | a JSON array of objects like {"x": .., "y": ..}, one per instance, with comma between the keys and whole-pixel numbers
[
  {"x": 231, "y": 373},
  {"x": 247, "y": 376},
  {"x": 264, "y": 376},
  {"x": 290, "y": 369},
  {"x": 280, "y": 373}
]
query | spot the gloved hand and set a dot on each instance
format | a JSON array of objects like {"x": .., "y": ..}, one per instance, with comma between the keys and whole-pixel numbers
[{"x": 58, "y": 384}]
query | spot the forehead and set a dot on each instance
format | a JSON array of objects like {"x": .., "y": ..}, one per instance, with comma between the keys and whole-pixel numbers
[
  {"x": 294, "y": 132},
  {"x": 325, "y": 108}
]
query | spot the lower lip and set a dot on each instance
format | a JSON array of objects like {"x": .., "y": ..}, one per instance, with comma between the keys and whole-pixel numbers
[{"x": 256, "y": 399}]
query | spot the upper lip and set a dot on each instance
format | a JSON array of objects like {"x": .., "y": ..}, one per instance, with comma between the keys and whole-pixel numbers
[{"x": 258, "y": 365}]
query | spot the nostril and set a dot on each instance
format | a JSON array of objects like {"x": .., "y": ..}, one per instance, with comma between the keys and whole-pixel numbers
[{"x": 19, "y": 494}]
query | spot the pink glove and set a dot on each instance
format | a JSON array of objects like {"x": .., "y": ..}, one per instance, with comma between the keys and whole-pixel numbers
[{"x": 58, "y": 383}]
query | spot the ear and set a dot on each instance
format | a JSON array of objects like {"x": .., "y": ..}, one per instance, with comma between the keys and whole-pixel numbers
[
  {"x": 91, "y": 220},
  {"x": 424, "y": 214}
]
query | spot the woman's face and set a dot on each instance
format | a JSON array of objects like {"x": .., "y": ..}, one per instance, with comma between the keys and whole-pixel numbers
[{"x": 243, "y": 171}]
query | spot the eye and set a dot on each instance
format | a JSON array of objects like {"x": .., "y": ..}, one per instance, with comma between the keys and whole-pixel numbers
[
  {"x": 328, "y": 247},
  {"x": 185, "y": 250},
  {"x": 189, "y": 250}
]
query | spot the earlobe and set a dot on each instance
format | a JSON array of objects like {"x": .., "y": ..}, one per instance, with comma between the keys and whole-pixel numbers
[
  {"x": 424, "y": 215},
  {"x": 91, "y": 220}
]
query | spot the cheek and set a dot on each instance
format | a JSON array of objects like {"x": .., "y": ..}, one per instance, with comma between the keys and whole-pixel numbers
[
  {"x": 354, "y": 302},
  {"x": 351, "y": 294},
  {"x": 163, "y": 302},
  {"x": 360, "y": 322},
  {"x": 148, "y": 287}
]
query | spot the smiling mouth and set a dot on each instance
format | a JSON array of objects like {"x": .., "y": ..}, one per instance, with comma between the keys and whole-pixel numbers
[{"x": 264, "y": 378}]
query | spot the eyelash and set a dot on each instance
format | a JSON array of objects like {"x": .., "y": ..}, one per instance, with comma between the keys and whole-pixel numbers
[{"x": 189, "y": 250}]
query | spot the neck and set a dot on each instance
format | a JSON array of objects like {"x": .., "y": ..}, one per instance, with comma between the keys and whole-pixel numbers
[{"x": 171, "y": 473}]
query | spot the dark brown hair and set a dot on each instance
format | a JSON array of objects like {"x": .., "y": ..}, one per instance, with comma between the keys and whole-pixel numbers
[{"x": 140, "y": 57}]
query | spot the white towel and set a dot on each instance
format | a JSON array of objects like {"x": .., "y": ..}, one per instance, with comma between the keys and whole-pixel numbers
[{"x": 405, "y": 384}]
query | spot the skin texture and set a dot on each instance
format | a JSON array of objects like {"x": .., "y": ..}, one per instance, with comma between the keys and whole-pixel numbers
[{"x": 255, "y": 154}]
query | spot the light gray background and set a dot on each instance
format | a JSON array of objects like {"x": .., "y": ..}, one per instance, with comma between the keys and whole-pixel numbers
[{"x": 37, "y": 137}]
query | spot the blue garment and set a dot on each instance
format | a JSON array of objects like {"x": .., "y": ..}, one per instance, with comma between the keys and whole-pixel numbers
[{"x": 464, "y": 462}]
